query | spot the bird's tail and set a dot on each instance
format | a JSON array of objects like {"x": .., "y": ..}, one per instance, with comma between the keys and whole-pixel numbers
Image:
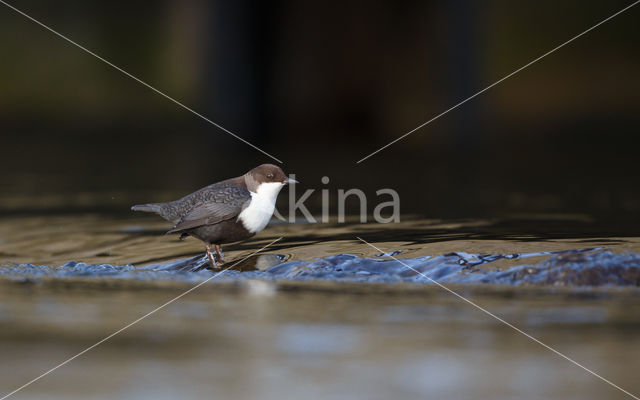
[{"x": 151, "y": 207}]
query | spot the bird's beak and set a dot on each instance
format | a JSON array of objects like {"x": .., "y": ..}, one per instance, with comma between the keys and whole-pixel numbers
[{"x": 290, "y": 181}]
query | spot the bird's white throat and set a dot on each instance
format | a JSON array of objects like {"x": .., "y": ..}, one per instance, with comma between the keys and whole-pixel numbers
[{"x": 261, "y": 207}]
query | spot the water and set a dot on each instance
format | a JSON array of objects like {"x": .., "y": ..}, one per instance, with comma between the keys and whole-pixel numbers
[
  {"x": 320, "y": 314},
  {"x": 424, "y": 251}
]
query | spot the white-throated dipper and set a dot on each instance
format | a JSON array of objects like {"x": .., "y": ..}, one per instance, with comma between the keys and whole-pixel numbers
[{"x": 227, "y": 211}]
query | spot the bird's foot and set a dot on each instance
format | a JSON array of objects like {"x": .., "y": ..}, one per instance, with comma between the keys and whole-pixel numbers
[
  {"x": 212, "y": 260},
  {"x": 220, "y": 254}
]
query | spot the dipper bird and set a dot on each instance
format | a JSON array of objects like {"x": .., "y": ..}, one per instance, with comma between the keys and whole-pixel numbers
[{"x": 227, "y": 211}]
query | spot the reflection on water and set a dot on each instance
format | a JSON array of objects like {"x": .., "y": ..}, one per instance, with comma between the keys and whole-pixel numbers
[{"x": 319, "y": 314}]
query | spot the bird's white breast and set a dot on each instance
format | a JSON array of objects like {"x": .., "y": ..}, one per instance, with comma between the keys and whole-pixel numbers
[{"x": 260, "y": 209}]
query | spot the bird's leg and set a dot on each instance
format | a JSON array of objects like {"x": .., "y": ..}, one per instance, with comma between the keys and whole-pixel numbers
[
  {"x": 219, "y": 252},
  {"x": 212, "y": 259}
]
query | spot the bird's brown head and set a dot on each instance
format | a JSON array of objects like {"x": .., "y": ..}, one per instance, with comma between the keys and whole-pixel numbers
[{"x": 266, "y": 173}]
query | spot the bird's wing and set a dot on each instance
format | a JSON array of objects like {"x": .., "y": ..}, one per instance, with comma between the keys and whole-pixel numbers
[{"x": 217, "y": 206}]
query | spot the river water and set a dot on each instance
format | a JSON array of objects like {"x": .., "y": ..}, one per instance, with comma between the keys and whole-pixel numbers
[{"x": 320, "y": 313}]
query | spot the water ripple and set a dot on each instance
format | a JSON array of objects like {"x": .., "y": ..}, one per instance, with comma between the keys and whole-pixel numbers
[{"x": 586, "y": 267}]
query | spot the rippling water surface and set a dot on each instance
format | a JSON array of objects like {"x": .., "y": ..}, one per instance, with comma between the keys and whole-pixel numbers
[{"x": 320, "y": 313}]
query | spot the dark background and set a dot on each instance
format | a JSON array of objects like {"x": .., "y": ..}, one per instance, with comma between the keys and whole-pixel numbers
[{"x": 320, "y": 85}]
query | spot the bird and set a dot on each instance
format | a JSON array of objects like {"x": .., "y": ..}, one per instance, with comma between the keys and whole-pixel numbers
[{"x": 225, "y": 212}]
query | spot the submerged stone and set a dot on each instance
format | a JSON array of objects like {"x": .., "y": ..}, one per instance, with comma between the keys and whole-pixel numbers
[{"x": 586, "y": 267}]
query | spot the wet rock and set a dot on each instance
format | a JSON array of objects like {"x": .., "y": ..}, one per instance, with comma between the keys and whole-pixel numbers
[{"x": 586, "y": 267}]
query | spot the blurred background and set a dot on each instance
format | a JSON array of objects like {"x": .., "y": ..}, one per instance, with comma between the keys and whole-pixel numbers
[
  {"x": 320, "y": 85},
  {"x": 538, "y": 165}
]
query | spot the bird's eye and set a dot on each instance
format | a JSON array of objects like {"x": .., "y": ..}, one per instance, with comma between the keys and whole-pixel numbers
[{"x": 270, "y": 175}]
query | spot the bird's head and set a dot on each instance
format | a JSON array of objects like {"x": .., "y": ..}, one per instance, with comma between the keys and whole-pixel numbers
[{"x": 269, "y": 174}]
